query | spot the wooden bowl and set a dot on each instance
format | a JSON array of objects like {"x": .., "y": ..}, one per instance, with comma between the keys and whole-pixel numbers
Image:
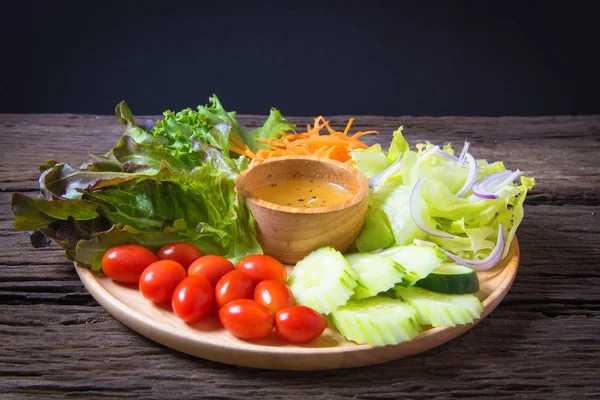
[{"x": 290, "y": 233}]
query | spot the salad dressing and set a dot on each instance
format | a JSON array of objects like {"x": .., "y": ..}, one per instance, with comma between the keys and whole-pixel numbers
[{"x": 303, "y": 193}]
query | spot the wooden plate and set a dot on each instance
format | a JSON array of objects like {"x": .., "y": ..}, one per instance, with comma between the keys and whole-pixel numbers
[{"x": 207, "y": 339}]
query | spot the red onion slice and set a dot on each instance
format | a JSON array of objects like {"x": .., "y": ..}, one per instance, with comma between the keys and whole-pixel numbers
[
  {"x": 473, "y": 168},
  {"x": 429, "y": 153},
  {"x": 415, "y": 212},
  {"x": 486, "y": 187},
  {"x": 471, "y": 177},
  {"x": 463, "y": 153},
  {"x": 480, "y": 188},
  {"x": 487, "y": 263},
  {"x": 377, "y": 180},
  {"x": 458, "y": 160},
  {"x": 446, "y": 155},
  {"x": 479, "y": 265},
  {"x": 509, "y": 179}
]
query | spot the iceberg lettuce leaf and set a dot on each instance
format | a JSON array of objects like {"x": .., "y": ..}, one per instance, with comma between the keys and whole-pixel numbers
[{"x": 472, "y": 221}]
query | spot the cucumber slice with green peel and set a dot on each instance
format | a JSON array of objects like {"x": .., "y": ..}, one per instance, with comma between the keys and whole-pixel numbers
[
  {"x": 418, "y": 261},
  {"x": 438, "y": 309},
  {"x": 361, "y": 292},
  {"x": 374, "y": 273},
  {"x": 451, "y": 278},
  {"x": 376, "y": 321},
  {"x": 323, "y": 280}
]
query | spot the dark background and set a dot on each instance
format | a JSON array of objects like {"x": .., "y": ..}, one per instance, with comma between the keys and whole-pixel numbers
[{"x": 305, "y": 58}]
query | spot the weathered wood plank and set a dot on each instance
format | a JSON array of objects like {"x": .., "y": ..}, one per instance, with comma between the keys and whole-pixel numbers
[
  {"x": 102, "y": 356},
  {"x": 548, "y": 318},
  {"x": 56, "y": 341},
  {"x": 558, "y": 151}
]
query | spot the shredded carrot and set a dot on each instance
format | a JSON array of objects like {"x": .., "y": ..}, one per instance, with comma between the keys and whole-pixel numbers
[
  {"x": 336, "y": 145},
  {"x": 330, "y": 151},
  {"x": 237, "y": 142},
  {"x": 320, "y": 152},
  {"x": 245, "y": 152},
  {"x": 350, "y": 121},
  {"x": 359, "y": 134}
]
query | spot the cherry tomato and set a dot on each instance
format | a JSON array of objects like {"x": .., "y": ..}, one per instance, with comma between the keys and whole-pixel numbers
[
  {"x": 299, "y": 324},
  {"x": 183, "y": 253},
  {"x": 192, "y": 299},
  {"x": 159, "y": 280},
  {"x": 233, "y": 285},
  {"x": 247, "y": 319},
  {"x": 261, "y": 268},
  {"x": 211, "y": 267},
  {"x": 125, "y": 263},
  {"x": 275, "y": 295}
]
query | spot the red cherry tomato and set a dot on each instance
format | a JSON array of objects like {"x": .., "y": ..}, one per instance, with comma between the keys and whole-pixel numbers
[
  {"x": 275, "y": 295},
  {"x": 183, "y": 253},
  {"x": 211, "y": 267},
  {"x": 261, "y": 268},
  {"x": 233, "y": 285},
  {"x": 299, "y": 324},
  {"x": 247, "y": 319},
  {"x": 159, "y": 280},
  {"x": 125, "y": 263},
  {"x": 192, "y": 299}
]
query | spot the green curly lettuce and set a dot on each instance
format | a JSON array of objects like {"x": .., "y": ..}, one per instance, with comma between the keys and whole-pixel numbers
[{"x": 164, "y": 181}]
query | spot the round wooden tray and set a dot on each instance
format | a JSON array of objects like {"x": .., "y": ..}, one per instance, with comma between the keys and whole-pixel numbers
[{"x": 207, "y": 339}]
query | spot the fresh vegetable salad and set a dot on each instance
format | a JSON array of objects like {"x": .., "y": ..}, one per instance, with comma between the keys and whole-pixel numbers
[{"x": 160, "y": 211}]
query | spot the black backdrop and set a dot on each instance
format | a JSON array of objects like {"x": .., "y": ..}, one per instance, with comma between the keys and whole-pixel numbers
[{"x": 305, "y": 58}]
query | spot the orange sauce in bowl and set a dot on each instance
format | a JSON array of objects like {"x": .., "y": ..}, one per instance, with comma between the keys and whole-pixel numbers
[{"x": 303, "y": 193}]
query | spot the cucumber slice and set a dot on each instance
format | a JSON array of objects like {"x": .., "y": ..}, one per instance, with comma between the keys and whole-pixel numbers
[
  {"x": 361, "y": 292},
  {"x": 323, "y": 280},
  {"x": 418, "y": 261},
  {"x": 451, "y": 278},
  {"x": 374, "y": 273},
  {"x": 377, "y": 321},
  {"x": 437, "y": 309}
]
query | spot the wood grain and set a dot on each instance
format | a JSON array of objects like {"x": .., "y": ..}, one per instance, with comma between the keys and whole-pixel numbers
[{"x": 540, "y": 343}]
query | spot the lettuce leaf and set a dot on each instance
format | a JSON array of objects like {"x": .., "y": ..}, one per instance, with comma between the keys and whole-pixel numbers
[
  {"x": 398, "y": 146},
  {"x": 396, "y": 206},
  {"x": 164, "y": 181},
  {"x": 472, "y": 220},
  {"x": 33, "y": 214},
  {"x": 376, "y": 232},
  {"x": 370, "y": 161},
  {"x": 273, "y": 126}
]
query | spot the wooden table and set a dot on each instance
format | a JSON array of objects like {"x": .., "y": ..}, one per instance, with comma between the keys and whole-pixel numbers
[{"x": 541, "y": 342}]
